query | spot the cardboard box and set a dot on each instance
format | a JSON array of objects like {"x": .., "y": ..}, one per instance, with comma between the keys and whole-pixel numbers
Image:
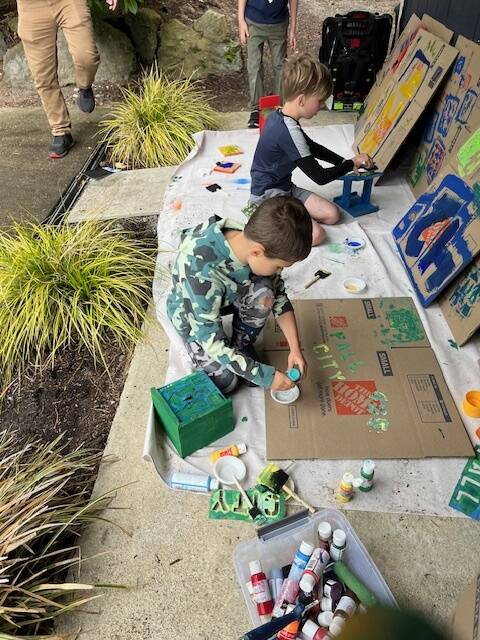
[
  {"x": 410, "y": 77},
  {"x": 467, "y": 613},
  {"x": 440, "y": 235},
  {"x": 455, "y": 117},
  {"x": 374, "y": 387},
  {"x": 460, "y": 303}
]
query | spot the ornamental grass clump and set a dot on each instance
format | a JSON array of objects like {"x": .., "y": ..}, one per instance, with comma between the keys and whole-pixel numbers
[
  {"x": 153, "y": 126},
  {"x": 66, "y": 287},
  {"x": 45, "y": 505}
]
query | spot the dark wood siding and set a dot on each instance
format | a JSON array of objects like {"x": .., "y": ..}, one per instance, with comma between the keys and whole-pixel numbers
[{"x": 461, "y": 16}]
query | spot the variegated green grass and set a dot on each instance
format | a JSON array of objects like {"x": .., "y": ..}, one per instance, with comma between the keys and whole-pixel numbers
[
  {"x": 69, "y": 286},
  {"x": 44, "y": 506},
  {"x": 153, "y": 125}
]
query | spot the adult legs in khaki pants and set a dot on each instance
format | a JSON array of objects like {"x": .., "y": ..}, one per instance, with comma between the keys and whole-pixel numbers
[{"x": 37, "y": 27}]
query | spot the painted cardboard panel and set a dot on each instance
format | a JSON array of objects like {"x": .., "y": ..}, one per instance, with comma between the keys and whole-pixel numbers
[
  {"x": 374, "y": 387},
  {"x": 411, "y": 76},
  {"x": 452, "y": 134},
  {"x": 440, "y": 235},
  {"x": 460, "y": 303}
]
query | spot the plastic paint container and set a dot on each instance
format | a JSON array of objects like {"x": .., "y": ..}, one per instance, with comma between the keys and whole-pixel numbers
[
  {"x": 471, "y": 404},
  {"x": 354, "y": 244},
  {"x": 286, "y": 397},
  {"x": 227, "y": 468},
  {"x": 354, "y": 285}
]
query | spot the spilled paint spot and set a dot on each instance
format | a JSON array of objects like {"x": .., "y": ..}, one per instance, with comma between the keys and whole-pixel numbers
[
  {"x": 177, "y": 205},
  {"x": 244, "y": 419},
  {"x": 336, "y": 247},
  {"x": 453, "y": 344},
  {"x": 241, "y": 181},
  {"x": 379, "y": 424}
]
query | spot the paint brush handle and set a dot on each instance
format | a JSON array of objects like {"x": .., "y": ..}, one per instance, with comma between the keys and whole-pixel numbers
[
  {"x": 269, "y": 629},
  {"x": 243, "y": 492},
  {"x": 309, "y": 284},
  {"x": 297, "y": 497}
]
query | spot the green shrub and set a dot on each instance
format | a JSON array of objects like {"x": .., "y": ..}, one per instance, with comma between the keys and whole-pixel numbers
[
  {"x": 69, "y": 286},
  {"x": 44, "y": 494},
  {"x": 153, "y": 126}
]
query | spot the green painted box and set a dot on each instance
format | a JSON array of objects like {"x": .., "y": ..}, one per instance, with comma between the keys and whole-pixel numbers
[{"x": 193, "y": 412}]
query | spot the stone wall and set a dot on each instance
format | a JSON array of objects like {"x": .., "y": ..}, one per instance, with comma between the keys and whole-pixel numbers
[{"x": 202, "y": 48}]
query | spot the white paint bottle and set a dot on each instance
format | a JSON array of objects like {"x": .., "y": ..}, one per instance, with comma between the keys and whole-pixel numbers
[{"x": 339, "y": 542}]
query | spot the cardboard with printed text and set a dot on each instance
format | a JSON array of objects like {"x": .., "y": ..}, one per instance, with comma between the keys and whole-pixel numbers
[
  {"x": 454, "y": 119},
  {"x": 373, "y": 389},
  {"x": 408, "y": 80}
]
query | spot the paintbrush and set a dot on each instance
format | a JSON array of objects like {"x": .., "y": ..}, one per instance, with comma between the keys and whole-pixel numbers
[
  {"x": 253, "y": 511},
  {"x": 269, "y": 629},
  {"x": 275, "y": 479}
]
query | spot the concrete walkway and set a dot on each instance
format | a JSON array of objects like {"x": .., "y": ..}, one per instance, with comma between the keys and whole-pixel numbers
[
  {"x": 30, "y": 182},
  {"x": 178, "y": 564}
]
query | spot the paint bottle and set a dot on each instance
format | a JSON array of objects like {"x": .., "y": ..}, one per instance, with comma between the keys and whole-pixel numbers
[
  {"x": 276, "y": 582},
  {"x": 339, "y": 542},
  {"x": 291, "y": 586},
  {"x": 325, "y": 535},
  {"x": 314, "y": 569},
  {"x": 325, "y": 618},
  {"x": 345, "y": 490},
  {"x": 193, "y": 482},
  {"x": 263, "y": 598},
  {"x": 333, "y": 589},
  {"x": 290, "y": 632},
  {"x": 294, "y": 374},
  {"x": 326, "y": 604},
  {"x": 312, "y": 631},
  {"x": 234, "y": 450},
  {"x": 367, "y": 472},
  {"x": 345, "y": 609}
]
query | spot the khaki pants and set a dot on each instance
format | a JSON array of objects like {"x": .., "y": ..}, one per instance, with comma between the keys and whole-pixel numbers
[
  {"x": 38, "y": 22},
  {"x": 276, "y": 36}
]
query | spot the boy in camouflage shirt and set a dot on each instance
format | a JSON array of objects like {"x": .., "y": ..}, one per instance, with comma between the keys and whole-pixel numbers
[{"x": 225, "y": 267}]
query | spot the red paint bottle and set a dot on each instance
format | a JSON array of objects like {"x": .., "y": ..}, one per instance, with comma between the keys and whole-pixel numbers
[{"x": 261, "y": 590}]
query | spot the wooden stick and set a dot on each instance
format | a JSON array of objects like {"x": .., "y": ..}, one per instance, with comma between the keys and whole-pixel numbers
[{"x": 297, "y": 497}]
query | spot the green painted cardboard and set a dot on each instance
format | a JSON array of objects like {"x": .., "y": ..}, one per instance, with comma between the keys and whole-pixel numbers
[
  {"x": 193, "y": 412},
  {"x": 228, "y": 504}
]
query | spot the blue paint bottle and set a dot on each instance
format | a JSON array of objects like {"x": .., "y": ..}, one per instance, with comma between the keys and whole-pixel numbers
[{"x": 294, "y": 374}]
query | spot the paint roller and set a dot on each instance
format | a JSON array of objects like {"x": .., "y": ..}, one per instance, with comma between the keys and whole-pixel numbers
[{"x": 275, "y": 480}]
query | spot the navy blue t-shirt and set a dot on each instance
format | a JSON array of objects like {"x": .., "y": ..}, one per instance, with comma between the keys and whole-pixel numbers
[
  {"x": 267, "y": 11},
  {"x": 282, "y": 146}
]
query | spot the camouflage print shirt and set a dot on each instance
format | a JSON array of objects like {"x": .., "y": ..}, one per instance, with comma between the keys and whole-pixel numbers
[{"x": 206, "y": 277}]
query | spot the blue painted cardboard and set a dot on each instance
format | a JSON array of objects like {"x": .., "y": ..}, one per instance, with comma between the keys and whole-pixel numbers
[{"x": 439, "y": 236}]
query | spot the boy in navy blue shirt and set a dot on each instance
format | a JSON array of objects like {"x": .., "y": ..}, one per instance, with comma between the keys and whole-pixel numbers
[
  {"x": 260, "y": 22},
  {"x": 283, "y": 145}
]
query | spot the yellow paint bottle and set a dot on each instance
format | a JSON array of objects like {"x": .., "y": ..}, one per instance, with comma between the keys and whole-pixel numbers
[{"x": 233, "y": 450}]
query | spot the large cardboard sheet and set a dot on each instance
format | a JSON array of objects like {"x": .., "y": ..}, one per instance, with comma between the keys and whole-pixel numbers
[
  {"x": 454, "y": 118},
  {"x": 410, "y": 77},
  {"x": 440, "y": 235},
  {"x": 460, "y": 303},
  {"x": 374, "y": 387}
]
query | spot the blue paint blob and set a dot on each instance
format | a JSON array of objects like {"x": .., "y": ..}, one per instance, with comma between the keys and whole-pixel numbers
[{"x": 241, "y": 181}]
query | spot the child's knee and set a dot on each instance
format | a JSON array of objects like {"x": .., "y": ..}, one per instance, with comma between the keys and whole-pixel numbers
[
  {"x": 330, "y": 214},
  {"x": 318, "y": 234}
]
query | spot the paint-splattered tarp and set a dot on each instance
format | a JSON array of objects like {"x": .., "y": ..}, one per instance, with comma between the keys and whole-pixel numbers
[{"x": 415, "y": 486}]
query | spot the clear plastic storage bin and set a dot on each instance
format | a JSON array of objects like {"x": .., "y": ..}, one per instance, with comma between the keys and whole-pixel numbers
[{"x": 275, "y": 546}]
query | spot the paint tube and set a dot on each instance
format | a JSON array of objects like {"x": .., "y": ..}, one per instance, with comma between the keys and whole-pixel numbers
[
  {"x": 234, "y": 450},
  {"x": 193, "y": 482},
  {"x": 290, "y": 586},
  {"x": 314, "y": 570}
]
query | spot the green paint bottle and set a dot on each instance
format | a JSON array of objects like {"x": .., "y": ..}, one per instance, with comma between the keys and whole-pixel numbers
[{"x": 367, "y": 472}]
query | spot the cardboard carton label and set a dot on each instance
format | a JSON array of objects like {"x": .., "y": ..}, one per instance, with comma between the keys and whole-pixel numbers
[
  {"x": 374, "y": 387},
  {"x": 460, "y": 303}
]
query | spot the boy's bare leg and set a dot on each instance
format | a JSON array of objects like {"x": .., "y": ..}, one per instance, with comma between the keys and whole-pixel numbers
[{"x": 322, "y": 210}]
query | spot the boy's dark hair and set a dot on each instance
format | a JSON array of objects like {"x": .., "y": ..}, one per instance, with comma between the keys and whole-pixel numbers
[
  {"x": 283, "y": 227},
  {"x": 302, "y": 73}
]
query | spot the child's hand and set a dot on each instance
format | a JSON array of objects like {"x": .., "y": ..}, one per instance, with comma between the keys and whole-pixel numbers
[
  {"x": 292, "y": 39},
  {"x": 281, "y": 382},
  {"x": 296, "y": 359},
  {"x": 362, "y": 161},
  {"x": 243, "y": 29}
]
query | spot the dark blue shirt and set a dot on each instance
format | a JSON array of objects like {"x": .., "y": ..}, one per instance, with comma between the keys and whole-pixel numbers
[
  {"x": 282, "y": 146},
  {"x": 267, "y": 11}
]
